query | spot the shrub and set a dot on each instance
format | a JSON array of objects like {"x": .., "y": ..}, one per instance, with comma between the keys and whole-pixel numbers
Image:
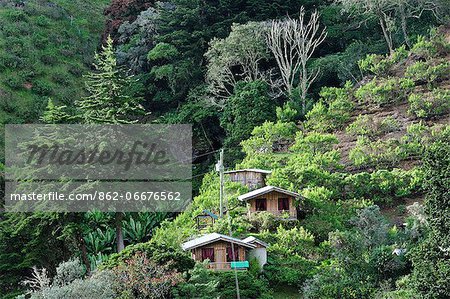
[
  {"x": 369, "y": 153},
  {"x": 39, "y": 40},
  {"x": 424, "y": 48},
  {"x": 201, "y": 284},
  {"x": 384, "y": 92},
  {"x": 69, "y": 282},
  {"x": 431, "y": 47},
  {"x": 428, "y": 106},
  {"x": 293, "y": 270},
  {"x": 43, "y": 21},
  {"x": 49, "y": 58},
  {"x": 99, "y": 285},
  {"x": 314, "y": 143},
  {"x": 69, "y": 271},
  {"x": 16, "y": 15},
  {"x": 161, "y": 254},
  {"x": 263, "y": 221},
  {"x": 383, "y": 186},
  {"x": 42, "y": 88},
  {"x": 380, "y": 65},
  {"x": 8, "y": 60},
  {"x": 250, "y": 287},
  {"x": 318, "y": 119},
  {"x": 14, "y": 81},
  {"x": 269, "y": 137},
  {"x": 332, "y": 282},
  {"x": 365, "y": 125},
  {"x": 385, "y": 264},
  {"x": 428, "y": 72},
  {"x": 62, "y": 78},
  {"x": 332, "y": 111},
  {"x": 294, "y": 241},
  {"x": 143, "y": 277}
]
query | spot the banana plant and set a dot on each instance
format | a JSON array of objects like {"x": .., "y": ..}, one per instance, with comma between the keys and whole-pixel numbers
[
  {"x": 139, "y": 228},
  {"x": 97, "y": 259},
  {"x": 99, "y": 241}
]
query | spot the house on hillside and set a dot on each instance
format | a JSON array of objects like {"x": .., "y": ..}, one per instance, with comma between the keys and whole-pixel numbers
[
  {"x": 273, "y": 200},
  {"x": 252, "y": 178},
  {"x": 205, "y": 219},
  {"x": 225, "y": 252}
]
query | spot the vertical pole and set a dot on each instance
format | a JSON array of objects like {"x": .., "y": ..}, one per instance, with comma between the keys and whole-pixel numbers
[{"x": 221, "y": 182}]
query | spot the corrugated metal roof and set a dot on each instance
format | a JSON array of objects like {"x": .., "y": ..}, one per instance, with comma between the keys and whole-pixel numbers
[
  {"x": 252, "y": 240},
  {"x": 250, "y": 170},
  {"x": 214, "y": 237},
  {"x": 265, "y": 190},
  {"x": 211, "y": 214}
]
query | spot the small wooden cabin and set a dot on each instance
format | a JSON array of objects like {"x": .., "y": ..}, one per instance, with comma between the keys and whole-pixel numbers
[
  {"x": 273, "y": 200},
  {"x": 252, "y": 178},
  {"x": 219, "y": 249},
  {"x": 205, "y": 219}
]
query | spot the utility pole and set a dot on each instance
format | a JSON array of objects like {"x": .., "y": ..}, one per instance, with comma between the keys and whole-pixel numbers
[{"x": 221, "y": 168}]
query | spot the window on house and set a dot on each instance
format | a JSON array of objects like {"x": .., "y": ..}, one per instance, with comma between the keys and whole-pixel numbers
[
  {"x": 208, "y": 254},
  {"x": 230, "y": 254},
  {"x": 283, "y": 204},
  {"x": 261, "y": 204}
]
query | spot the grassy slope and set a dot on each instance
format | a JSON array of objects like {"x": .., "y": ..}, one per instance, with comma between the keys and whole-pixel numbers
[{"x": 45, "y": 47}]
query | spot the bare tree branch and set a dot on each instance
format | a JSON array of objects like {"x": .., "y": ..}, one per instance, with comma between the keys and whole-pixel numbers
[{"x": 293, "y": 42}]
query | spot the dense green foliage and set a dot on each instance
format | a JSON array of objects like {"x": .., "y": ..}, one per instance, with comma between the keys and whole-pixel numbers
[
  {"x": 430, "y": 258},
  {"x": 354, "y": 151},
  {"x": 44, "y": 50}
]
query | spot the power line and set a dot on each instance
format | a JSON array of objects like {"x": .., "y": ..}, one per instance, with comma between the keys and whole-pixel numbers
[{"x": 192, "y": 158}]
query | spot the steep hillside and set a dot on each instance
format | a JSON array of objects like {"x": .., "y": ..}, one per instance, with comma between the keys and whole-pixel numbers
[
  {"x": 360, "y": 145},
  {"x": 431, "y": 75},
  {"x": 45, "y": 48}
]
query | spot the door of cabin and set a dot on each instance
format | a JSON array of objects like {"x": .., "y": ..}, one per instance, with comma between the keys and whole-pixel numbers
[{"x": 221, "y": 258}]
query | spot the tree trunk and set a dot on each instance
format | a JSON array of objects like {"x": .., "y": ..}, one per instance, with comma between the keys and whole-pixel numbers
[
  {"x": 82, "y": 247},
  {"x": 387, "y": 35},
  {"x": 84, "y": 255},
  {"x": 304, "y": 88},
  {"x": 404, "y": 27},
  {"x": 119, "y": 232}
]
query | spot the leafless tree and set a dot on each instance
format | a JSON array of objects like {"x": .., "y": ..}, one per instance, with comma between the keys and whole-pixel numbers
[
  {"x": 391, "y": 12},
  {"x": 382, "y": 10},
  {"x": 407, "y": 9},
  {"x": 292, "y": 42}
]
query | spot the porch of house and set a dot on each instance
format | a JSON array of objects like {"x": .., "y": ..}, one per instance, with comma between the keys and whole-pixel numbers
[
  {"x": 220, "y": 256},
  {"x": 238, "y": 265}
]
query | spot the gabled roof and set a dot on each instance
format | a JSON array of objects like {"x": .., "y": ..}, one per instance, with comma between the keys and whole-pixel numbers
[
  {"x": 253, "y": 240},
  {"x": 211, "y": 238},
  {"x": 264, "y": 190},
  {"x": 208, "y": 213},
  {"x": 249, "y": 170}
]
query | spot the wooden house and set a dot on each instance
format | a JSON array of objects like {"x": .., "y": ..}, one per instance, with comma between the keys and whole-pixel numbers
[
  {"x": 224, "y": 252},
  {"x": 273, "y": 200},
  {"x": 252, "y": 178}
]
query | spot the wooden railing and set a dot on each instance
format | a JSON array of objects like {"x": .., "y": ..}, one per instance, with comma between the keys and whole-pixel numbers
[{"x": 223, "y": 265}]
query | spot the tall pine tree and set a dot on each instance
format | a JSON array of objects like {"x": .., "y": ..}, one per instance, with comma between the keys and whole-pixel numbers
[{"x": 109, "y": 101}]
